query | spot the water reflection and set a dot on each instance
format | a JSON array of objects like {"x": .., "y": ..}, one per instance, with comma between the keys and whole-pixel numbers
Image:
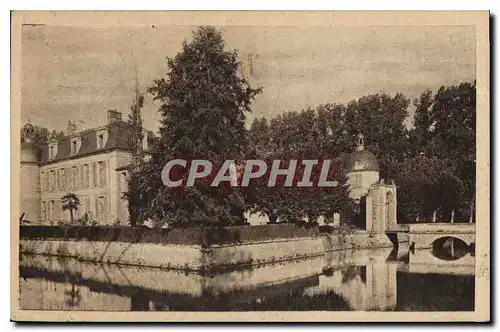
[
  {"x": 450, "y": 248},
  {"x": 361, "y": 280}
]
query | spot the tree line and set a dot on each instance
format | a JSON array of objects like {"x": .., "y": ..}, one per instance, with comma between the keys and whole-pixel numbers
[
  {"x": 432, "y": 162},
  {"x": 204, "y": 105}
]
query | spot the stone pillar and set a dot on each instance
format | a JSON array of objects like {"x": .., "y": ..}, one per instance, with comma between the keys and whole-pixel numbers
[
  {"x": 369, "y": 214},
  {"x": 378, "y": 209},
  {"x": 392, "y": 212}
]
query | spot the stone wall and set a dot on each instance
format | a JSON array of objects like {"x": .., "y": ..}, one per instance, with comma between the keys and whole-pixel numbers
[{"x": 196, "y": 249}]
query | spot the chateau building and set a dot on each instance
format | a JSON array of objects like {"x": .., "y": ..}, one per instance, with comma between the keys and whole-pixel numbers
[{"x": 93, "y": 164}]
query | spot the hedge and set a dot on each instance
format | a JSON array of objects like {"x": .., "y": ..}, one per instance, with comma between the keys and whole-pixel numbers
[{"x": 186, "y": 236}]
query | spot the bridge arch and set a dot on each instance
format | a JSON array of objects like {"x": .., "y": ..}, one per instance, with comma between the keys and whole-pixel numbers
[
  {"x": 426, "y": 240},
  {"x": 450, "y": 248}
]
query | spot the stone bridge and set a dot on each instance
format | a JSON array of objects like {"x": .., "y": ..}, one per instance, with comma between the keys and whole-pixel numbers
[{"x": 423, "y": 235}]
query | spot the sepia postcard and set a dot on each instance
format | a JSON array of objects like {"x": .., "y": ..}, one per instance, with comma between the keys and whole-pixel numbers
[{"x": 250, "y": 166}]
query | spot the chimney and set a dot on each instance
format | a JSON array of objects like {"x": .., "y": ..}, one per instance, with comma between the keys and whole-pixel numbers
[
  {"x": 71, "y": 129},
  {"x": 114, "y": 116}
]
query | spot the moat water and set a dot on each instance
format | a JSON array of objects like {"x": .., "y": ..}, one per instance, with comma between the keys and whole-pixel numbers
[{"x": 438, "y": 279}]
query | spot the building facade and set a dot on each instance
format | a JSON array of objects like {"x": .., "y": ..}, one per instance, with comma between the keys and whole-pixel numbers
[{"x": 92, "y": 164}]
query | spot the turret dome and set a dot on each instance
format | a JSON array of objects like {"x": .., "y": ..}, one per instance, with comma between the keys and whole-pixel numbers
[
  {"x": 28, "y": 148},
  {"x": 361, "y": 159},
  {"x": 28, "y": 132}
]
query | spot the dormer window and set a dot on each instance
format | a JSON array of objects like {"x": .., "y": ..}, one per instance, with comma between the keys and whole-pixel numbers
[
  {"x": 100, "y": 141},
  {"x": 52, "y": 150},
  {"x": 102, "y": 137},
  {"x": 76, "y": 143},
  {"x": 359, "y": 165}
]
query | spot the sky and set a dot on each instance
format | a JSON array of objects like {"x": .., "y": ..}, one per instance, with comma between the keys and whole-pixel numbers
[{"x": 77, "y": 73}]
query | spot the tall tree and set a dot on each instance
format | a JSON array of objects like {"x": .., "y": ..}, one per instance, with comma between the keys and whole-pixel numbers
[
  {"x": 135, "y": 119},
  {"x": 445, "y": 128},
  {"x": 204, "y": 101},
  {"x": 135, "y": 141}
]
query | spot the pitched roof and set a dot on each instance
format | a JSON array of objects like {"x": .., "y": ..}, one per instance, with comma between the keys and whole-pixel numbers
[{"x": 119, "y": 134}]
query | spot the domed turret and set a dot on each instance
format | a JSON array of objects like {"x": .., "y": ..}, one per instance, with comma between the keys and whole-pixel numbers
[
  {"x": 30, "y": 176},
  {"x": 362, "y": 168},
  {"x": 361, "y": 159},
  {"x": 28, "y": 132}
]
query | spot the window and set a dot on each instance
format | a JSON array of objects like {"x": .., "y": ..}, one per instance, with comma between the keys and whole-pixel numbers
[
  {"x": 102, "y": 137},
  {"x": 123, "y": 181},
  {"x": 58, "y": 175},
  {"x": 74, "y": 178},
  {"x": 86, "y": 206},
  {"x": 43, "y": 214},
  {"x": 102, "y": 173},
  {"x": 85, "y": 176},
  {"x": 52, "y": 150},
  {"x": 58, "y": 210},
  {"x": 102, "y": 207},
  {"x": 42, "y": 181},
  {"x": 52, "y": 180},
  {"x": 51, "y": 210},
  {"x": 356, "y": 180},
  {"x": 47, "y": 184},
  {"x": 359, "y": 180},
  {"x": 359, "y": 165},
  {"x": 94, "y": 175},
  {"x": 62, "y": 179},
  {"x": 100, "y": 141},
  {"x": 76, "y": 143}
]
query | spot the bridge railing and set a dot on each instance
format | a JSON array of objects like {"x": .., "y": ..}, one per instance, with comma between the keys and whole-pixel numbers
[{"x": 442, "y": 228}]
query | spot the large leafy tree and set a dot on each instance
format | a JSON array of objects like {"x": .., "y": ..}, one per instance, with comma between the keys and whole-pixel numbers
[
  {"x": 204, "y": 101},
  {"x": 428, "y": 188},
  {"x": 445, "y": 129}
]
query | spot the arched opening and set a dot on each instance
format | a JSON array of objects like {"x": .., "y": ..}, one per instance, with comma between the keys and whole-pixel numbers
[
  {"x": 359, "y": 215},
  {"x": 450, "y": 248}
]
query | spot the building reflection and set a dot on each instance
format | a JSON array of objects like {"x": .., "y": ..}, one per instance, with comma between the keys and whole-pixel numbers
[{"x": 360, "y": 280}]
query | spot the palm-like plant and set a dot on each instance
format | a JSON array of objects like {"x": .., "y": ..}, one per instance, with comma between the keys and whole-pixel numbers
[{"x": 70, "y": 202}]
